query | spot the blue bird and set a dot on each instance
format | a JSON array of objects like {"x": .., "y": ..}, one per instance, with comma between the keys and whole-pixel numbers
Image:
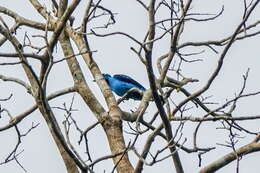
[{"x": 121, "y": 84}]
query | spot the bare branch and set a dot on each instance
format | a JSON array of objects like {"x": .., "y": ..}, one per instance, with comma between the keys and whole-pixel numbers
[
  {"x": 242, "y": 151},
  {"x": 16, "y": 119},
  {"x": 18, "y": 81},
  {"x": 220, "y": 62}
]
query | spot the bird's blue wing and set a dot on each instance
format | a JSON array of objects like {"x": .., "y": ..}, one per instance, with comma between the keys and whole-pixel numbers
[{"x": 128, "y": 79}]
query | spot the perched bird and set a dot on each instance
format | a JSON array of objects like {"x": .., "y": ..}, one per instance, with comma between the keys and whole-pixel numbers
[{"x": 121, "y": 84}]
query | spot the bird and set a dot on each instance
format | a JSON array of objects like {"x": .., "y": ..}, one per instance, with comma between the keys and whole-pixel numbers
[{"x": 122, "y": 84}]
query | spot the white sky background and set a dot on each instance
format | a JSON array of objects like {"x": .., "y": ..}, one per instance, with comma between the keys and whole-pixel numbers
[{"x": 114, "y": 56}]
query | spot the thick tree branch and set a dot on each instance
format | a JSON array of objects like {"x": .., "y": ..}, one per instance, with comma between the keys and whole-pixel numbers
[
  {"x": 223, "y": 161},
  {"x": 158, "y": 102}
]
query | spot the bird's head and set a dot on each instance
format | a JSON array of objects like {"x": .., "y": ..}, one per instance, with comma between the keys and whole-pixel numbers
[{"x": 107, "y": 77}]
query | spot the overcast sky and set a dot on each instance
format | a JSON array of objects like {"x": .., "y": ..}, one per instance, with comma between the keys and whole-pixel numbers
[{"x": 114, "y": 56}]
